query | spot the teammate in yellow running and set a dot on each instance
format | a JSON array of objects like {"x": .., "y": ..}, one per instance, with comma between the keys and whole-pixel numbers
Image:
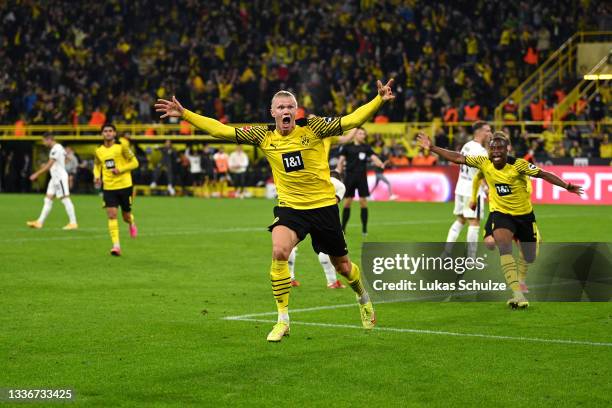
[
  {"x": 509, "y": 202},
  {"x": 306, "y": 196},
  {"x": 113, "y": 163}
]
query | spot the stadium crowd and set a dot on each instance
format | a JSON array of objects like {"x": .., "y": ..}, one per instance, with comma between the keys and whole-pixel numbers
[
  {"x": 93, "y": 62},
  {"x": 88, "y": 62}
]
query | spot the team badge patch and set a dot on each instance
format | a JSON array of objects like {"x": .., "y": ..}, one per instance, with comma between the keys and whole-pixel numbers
[{"x": 305, "y": 140}]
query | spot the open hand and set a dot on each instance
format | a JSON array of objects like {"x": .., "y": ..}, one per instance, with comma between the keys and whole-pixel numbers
[
  {"x": 573, "y": 188},
  {"x": 172, "y": 108},
  {"x": 423, "y": 140}
]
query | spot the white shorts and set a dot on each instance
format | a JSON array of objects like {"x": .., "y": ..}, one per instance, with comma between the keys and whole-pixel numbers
[
  {"x": 462, "y": 206},
  {"x": 58, "y": 187}
]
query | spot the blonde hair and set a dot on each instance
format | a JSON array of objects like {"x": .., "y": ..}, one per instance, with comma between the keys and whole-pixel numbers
[{"x": 283, "y": 93}]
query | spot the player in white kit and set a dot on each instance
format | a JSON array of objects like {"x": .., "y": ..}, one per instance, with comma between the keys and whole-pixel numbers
[
  {"x": 328, "y": 268},
  {"x": 58, "y": 185},
  {"x": 463, "y": 192}
]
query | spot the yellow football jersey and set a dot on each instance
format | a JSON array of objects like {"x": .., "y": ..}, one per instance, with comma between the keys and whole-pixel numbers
[
  {"x": 509, "y": 188},
  {"x": 299, "y": 161},
  {"x": 119, "y": 156}
]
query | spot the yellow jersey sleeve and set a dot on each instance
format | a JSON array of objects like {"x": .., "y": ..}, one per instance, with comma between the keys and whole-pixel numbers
[
  {"x": 211, "y": 126},
  {"x": 476, "y": 161},
  {"x": 97, "y": 170},
  {"x": 476, "y": 185},
  {"x": 362, "y": 114},
  {"x": 325, "y": 127},
  {"x": 524, "y": 167},
  {"x": 253, "y": 135}
]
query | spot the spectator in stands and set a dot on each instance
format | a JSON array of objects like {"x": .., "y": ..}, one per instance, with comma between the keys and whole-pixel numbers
[
  {"x": 575, "y": 150},
  {"x": 222, "y": 179},
  {"x": 605, "y": 147},
  {"x": 195, "y": 170},
  {"x": 424, "y": 158},
  {"x": 72, "y": 165},
  {"x": 238, "y": 164},
  {"x": 168, "y": 161}
]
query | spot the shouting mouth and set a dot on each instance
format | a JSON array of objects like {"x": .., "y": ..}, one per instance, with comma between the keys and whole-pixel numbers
[{"x": 286, "y": 120}]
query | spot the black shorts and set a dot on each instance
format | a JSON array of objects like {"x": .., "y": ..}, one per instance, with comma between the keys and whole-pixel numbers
[
  {"x": 118, "y": 198},
  {"x": 523, "y": 227},
  {"x": 356, "y": 182},
  {"x": 323, "y": 225},
  {"x": 488, "y": 228}
]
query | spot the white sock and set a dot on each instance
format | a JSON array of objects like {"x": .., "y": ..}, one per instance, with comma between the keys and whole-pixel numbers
[
  {"x": 453, "y": 234},
  {"x": 328, "y": 268},
  {"x": 69, "y": 209},
  {"x": 291, "y": 262},
  {"x": 283, "y": 317},
  {"x": 472, "y": 240},
  {"x": 45, "y": 210}
]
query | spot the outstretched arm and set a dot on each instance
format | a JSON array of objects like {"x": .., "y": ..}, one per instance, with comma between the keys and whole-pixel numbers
[
  {"x": 552, "y": 178},
  {"x": 425, "y": 142},
  {"x": 211, "y": 126},
  {"x": 365, "y": 112}
]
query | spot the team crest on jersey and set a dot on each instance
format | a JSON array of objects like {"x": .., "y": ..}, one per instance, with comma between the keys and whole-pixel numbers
[{"x": 305, "y": 140}]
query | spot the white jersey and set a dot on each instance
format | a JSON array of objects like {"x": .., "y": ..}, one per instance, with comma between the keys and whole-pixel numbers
[
  {"x": 238, "y": 162},
  {"x": 467, "y": 173},
  {"x": 58, "y": 170},
  {"x": 339, "y": 187},
  {"x": 195, "y": 162}
]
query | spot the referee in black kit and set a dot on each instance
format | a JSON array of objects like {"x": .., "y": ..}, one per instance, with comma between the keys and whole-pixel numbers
[{"x": 355, "y": 156}]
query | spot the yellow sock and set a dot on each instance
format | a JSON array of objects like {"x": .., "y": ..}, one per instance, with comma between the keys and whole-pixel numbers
[
  {"x": 281, "y": 285},
  {"x": 354, "y": 280},
  {"x": 522, "y": 266},
  {"x": 113, "y": 228},
  {"x": 509, "y": 269},
  {"x": 132, "y": 219}
]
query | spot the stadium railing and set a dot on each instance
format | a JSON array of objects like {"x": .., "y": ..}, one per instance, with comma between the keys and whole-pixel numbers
[
  {"x": 141, "y": 132},
  {"x": 560, "y": 65}
]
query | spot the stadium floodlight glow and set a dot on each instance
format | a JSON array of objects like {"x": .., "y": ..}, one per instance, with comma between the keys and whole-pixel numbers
[{"x": 595, "y": 77}]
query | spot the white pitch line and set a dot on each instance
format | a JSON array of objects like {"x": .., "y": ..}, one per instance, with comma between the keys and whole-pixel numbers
[{"x": 436, "y": 332}]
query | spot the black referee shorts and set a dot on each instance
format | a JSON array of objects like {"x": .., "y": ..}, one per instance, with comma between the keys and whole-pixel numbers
[
  {"x": 357, "y": 182},
  {"x": 523, "y": 227},
  {"x": 323, "y": 225},
  {"x": 118, "y": 198}
]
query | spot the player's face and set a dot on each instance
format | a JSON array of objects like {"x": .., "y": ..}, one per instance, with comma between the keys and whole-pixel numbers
[
  {"x": 498, "y": 153},
  {"x": 48, "y": 142},
  {"x": 485, "y": 132},
  {"x": 284, "y": 109},
  {"x": 108, "y": 133}
]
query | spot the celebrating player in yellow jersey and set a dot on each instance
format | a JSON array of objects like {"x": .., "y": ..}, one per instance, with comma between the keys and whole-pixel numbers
[
  {"x": 306, "y": 196},
  {"x": 113, "y": 163},
  {"x": 509, "y": 202},
  {"x": 488, "y": 239}
]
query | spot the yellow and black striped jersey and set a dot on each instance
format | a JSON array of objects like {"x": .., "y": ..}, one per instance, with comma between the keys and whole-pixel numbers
[
  {"x": 119, "y": 156},
  {"x": 509, "y": 188},
  {"x": 299, "y": 161}
]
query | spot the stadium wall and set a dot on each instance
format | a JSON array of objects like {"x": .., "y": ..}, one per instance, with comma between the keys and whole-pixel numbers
[{"x": 437, "y": 184}]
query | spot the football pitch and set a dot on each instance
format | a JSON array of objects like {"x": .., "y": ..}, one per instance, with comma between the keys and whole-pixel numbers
[{"x": 181, "y": 318}]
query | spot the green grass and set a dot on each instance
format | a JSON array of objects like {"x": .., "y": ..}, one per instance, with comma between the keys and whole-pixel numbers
[{"x": 147, "y": 328}]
